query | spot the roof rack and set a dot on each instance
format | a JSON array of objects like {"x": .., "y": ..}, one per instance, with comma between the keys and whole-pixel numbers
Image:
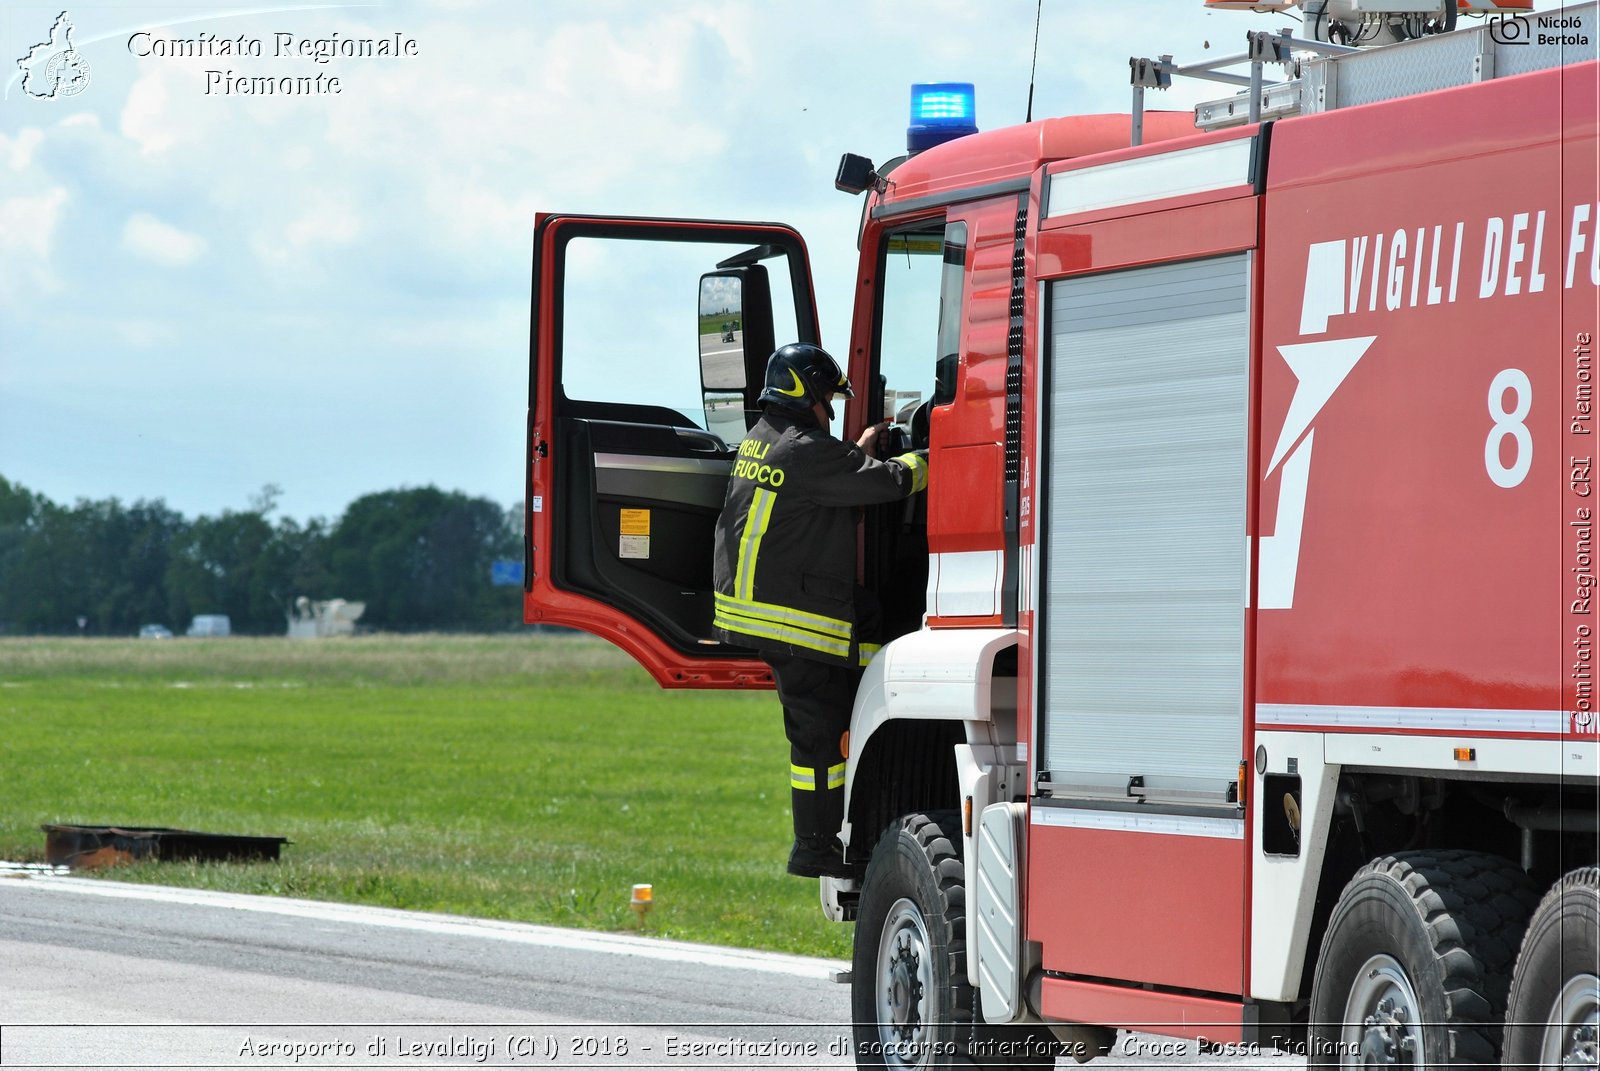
[{"x": 1323, "y": 76}]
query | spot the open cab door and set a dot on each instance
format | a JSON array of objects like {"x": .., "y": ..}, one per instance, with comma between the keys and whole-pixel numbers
[{"x": 649, "y": 345}]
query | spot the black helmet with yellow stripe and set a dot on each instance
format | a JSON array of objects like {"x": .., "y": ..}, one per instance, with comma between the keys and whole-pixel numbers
[{"x": 800, "y": 375}]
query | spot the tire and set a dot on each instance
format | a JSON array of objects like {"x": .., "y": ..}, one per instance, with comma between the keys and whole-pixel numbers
[
  {"x": 910, "y": 999},
  {"x": 1554, "y": 1009},
  {"x": 1416, "y": 961}
]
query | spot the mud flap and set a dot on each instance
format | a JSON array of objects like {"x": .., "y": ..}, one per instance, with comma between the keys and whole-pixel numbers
[
  {"x": 840, "y": 897},
  {"x": 997, "y": 934}
]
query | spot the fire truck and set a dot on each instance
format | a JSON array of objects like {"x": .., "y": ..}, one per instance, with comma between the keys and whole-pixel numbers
[{"x": 1240, "y": 671}]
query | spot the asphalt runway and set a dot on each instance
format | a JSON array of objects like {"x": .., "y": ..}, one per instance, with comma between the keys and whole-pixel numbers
[
  {"x": 101, "y": 974},
  {"x": 97, "y": 974},
  {"x": 722, "y": 363}
]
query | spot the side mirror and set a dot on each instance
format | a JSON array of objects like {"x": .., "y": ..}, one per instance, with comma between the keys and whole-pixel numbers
[
  {"x": 856, "y": 174},
  {"x": 722, "y": 371},
  {"x": 735, "y": 331}
]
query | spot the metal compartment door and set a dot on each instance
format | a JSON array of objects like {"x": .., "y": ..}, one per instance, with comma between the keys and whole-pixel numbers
[{"x": 1146, "y": 495}]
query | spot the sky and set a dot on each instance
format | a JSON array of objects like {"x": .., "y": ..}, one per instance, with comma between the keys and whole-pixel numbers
[{"x": 204, "y": 292}]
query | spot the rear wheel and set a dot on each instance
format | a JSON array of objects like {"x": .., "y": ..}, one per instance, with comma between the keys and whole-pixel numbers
[
  {"x": 912, "y": 1006},
  {"x": 1554, "y": 1013},
  {"x": 1416, "y": 961}
]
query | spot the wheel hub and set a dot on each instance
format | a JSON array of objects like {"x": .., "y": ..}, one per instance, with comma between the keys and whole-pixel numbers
[
  {"x": 1385, "y": 1042},
  {"x": 904, "y": 976},
  {"x": 1573, "y": 1037},
  {"x": 1585, "y": 1049},
  {"x": 905, "y": 990},
  {"x": 1382, "y": 1021}
]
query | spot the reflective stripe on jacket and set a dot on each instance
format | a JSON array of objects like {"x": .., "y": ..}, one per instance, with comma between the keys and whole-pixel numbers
[{"x": 786, "y": 540}]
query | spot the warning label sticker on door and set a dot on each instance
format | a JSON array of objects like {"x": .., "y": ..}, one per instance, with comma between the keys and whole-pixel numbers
[{"x": 634, "y": 527}]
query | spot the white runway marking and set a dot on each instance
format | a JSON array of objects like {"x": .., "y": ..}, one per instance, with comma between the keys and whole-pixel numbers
[{"x": 453, "y": 925}]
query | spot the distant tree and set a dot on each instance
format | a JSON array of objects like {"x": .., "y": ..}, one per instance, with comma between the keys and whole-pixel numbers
[
  {"x": 420, "y": 558},
  {"x": 300, "y": 554},
  {"x": 101, "y": 561},
  {"x": 24, "y": 590},
  {"x": 18, "y": 505},
  {"x": 131, "y": 549},
  {"x": 223, "y": 566}
]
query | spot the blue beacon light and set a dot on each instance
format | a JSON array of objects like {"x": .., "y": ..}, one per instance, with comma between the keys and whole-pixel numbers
[{"x": 940, "y": 112}]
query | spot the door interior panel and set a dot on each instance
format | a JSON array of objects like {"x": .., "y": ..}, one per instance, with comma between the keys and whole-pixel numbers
[{"x": 645, "y": 543}]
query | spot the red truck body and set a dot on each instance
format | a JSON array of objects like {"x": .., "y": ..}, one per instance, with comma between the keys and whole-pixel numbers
[{"x": 1259, "y": 553}]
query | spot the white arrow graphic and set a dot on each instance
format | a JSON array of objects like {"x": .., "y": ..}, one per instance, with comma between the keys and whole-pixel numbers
[{"x": 1320, "y": 367}]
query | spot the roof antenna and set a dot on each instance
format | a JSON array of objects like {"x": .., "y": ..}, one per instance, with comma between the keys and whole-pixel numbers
[{"x": 1036, "y": 13}]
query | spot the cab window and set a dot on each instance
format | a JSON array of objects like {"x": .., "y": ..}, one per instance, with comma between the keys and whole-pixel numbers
[
  {"x": 916, "y": 342},
  {"x": 919, "y": 323}
]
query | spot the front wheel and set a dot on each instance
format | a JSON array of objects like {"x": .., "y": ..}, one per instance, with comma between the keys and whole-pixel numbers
[
  {"x": 910, "y": 1000},
  {"x": 1416, "y": 961},
  {"x": 1554, "y": 1012}
]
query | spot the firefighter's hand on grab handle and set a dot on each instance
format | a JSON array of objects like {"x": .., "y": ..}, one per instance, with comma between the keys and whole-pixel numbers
[{"x": 868, "y": 439}]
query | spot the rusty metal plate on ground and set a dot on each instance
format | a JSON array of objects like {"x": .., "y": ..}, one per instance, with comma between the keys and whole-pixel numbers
[{"x": 87, "y": 847}]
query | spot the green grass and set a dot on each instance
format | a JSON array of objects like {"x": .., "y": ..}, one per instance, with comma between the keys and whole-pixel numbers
[{"x": 528, "y": 778}]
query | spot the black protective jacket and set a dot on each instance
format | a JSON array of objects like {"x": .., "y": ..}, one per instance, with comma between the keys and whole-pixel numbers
[{"x": 786, "y": 540}]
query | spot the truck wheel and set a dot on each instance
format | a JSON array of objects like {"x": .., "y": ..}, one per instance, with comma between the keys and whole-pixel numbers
[
  {"x": 1416, "y": 961},
  {"x": 1554, "y": 1012},
  {"x": 910, "y": 999}
]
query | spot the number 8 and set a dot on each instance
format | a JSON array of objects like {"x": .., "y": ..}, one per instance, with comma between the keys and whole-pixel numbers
[{"x": 1516, "y": 381}]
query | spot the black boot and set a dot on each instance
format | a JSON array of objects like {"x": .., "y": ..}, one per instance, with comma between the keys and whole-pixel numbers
[{"x": 818, "y": 857}]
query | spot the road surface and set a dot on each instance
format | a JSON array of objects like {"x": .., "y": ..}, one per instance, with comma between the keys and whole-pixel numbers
[
  {"x": 722, "y": 363},
  {"x": 101, "y": 974}
]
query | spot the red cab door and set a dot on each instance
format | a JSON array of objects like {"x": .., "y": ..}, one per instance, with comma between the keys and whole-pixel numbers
[{"x": 649, "y": 338}]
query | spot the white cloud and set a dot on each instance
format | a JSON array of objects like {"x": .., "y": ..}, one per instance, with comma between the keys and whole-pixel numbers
[
  {"x": 28, "y": 223},
  {"x": 470, "y": 340},
  {"x": 327, "y": 221},
  {"x": 149, "y": 238},
  {"x": 144, "y": 334},
  {"x": 146, "y": 119},
  {"x": 553, "y": 113},
  {"x": 17, "y": 152},
  {"x": 27, "y": 235},
  {"x": 391, "y": 224}
]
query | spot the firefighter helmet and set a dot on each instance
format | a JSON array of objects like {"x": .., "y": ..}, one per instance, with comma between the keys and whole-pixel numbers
[{"x": 801, "y": 375}]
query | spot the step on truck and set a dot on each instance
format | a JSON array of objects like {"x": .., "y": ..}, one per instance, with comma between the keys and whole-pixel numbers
[{"x": 1240, "y": 674}]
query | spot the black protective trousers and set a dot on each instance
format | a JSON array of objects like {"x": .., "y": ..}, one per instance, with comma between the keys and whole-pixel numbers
[{"x": 817, "y": 698}]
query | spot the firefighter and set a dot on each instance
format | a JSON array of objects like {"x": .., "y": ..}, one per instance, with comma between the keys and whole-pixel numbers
[{"x": 785, "y": 576}]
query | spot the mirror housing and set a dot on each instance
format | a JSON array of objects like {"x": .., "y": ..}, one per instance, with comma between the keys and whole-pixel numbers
[{"x": 856, "y": 175}]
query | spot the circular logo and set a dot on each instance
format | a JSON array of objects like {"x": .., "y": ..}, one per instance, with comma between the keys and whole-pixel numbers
[{"x": 66, "y": 73}]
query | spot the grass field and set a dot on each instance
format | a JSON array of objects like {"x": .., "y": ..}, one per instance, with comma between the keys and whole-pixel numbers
[{"x": 528, "y": 778}]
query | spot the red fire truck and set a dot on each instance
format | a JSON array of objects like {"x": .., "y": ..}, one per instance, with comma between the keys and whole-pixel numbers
[{"x": 1241, "y": 684}]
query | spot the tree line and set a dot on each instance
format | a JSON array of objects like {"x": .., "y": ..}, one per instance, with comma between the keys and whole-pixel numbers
[{"x": 419, "y": 558}]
